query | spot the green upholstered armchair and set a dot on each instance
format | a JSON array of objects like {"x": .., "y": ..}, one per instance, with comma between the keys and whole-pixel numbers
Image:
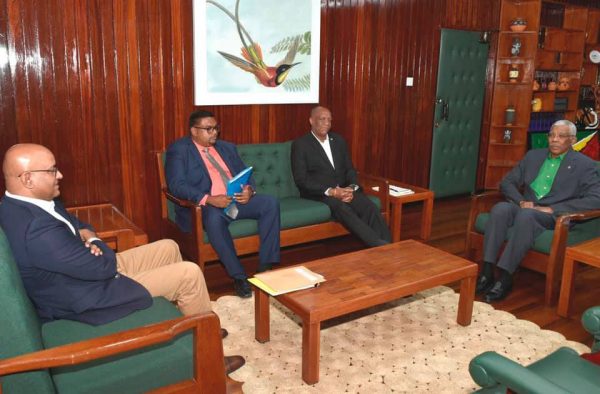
[
  {"x": 548, "y": 252},
  {"x": 562, "y": 371},
  {"x": 151, "y": 349}
]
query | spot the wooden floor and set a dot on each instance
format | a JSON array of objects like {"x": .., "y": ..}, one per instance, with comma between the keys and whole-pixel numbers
[{"x": 448, "y": 233}]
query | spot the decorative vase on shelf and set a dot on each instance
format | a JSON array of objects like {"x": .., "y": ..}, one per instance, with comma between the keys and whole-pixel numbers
[
  {"x": 518, "y": 25},
  {"x": 536, "y": 104},
  {"x": 509, "y": 115},
  {"x": 513, "y": 73}
]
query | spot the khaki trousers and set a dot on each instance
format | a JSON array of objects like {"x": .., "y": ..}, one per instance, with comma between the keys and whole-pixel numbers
[{"x": 159, "y": 268}]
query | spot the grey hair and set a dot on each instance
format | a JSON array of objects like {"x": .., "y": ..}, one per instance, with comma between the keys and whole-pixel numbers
[{"x": 569, "y": 124}]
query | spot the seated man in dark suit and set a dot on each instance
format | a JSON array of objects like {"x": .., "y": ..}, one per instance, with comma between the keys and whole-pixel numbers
[
  {"x": 544, "y": 184},
  {"x": 68, "y": 272},
  {"x": 197, "y": 168},
  {"x": 323, "y": 171}
]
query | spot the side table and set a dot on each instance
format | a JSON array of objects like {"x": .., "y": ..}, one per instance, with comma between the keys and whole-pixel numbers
[
  {"x": 420, "y": 194},
  {"x": 110, "y": 224},
  {"x": 586, "y": 253}
]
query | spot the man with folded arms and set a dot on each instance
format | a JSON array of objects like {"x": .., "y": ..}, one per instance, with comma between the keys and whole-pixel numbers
[
  {"x": 68, "y": 272},
  {"x": 198, "y": 168},
  {"x": 323, "y": 171},
  {"x": 543, "y": 185}
]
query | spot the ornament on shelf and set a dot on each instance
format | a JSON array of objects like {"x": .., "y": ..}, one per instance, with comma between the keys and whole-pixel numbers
[
  {"x": 536, "y": 85},
  {"x": 509, "y": 115},
  {"x": 507, "y": 138},
  {"x": 536, "y": 104},
  {"x": 551, "y": 85},
  {"x": 518, "y": 25},
  {"x": 515, "y": 49},
  {"x": 513, "y": 73},
  {"x": 564, "y": 83}
]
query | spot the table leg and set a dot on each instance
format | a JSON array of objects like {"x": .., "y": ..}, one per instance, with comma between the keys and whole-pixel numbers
[
  {"x": 426, "y": 218},
  {"x": 396, "y": 221},
  {"x": 566, "y": 288},
  {"x": 311, "y": 349},
  {"x": 465, "y": 301},
  {"x": 262, "y": 323}
]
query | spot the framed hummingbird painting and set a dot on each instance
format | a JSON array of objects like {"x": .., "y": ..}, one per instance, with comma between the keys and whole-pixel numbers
[{"x": 256, "y": 51}]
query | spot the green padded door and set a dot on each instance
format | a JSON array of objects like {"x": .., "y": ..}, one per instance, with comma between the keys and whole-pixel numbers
[{"x": 458, "y": 110}]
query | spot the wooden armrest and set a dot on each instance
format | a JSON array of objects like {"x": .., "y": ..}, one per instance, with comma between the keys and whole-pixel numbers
[
  {"x": 566, "y": 218},
  {"x": 482, "y": 203},
  {"x": 179, "y": 201},
  {"x": 209, "y": 366},
  {"x": 367, "y": 182}
]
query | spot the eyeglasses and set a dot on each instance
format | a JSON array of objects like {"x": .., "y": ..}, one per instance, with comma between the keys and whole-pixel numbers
[
  {"x": 209, "y": 129},
  {"x": 562, "y": 136},
  {"x": 52, "y": 171}
]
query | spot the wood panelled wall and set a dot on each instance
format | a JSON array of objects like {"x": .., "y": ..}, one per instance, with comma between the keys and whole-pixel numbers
[{"x": 104, "y": 84}]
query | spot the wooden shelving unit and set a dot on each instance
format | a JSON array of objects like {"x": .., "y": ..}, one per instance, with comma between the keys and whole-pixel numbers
[
  {"x": 554, "y": 45},
  {"x": 512, "y": 92}
]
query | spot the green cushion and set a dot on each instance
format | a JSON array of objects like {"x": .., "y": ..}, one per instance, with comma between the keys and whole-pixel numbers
[
  {"x": 578, "y": 233},
  {"x": 19, "y": 326},
  {"x": 134, "y": 372},
  {"x": 566, "y": 369},
  {"x": 272, "y": 168}
]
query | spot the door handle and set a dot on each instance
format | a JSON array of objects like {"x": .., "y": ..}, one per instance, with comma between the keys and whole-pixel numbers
[{"x": 445, "y": 108}]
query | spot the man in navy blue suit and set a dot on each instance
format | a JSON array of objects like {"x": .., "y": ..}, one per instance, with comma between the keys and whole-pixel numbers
[
  {"x": 197, "y": 168},
  {"x": 68, "y": 272}
]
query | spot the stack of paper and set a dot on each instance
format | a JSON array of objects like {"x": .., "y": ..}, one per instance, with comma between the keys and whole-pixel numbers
[
  {"x": 286, "y": 280},
  {"x": 396, "y": 191}
]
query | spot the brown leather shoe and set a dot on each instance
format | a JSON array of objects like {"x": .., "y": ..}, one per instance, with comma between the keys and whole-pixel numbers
[
  {"x": 233, "y": 363},
  {"x": 224, "y": 333}
]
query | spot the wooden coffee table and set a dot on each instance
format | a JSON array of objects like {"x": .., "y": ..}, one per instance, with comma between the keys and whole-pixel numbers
[{"x": 364, "y": 279}]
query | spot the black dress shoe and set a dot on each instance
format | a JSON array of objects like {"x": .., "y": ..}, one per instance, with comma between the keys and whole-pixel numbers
[
  {"x": 233, "y": 363},
  {"x": 498, "y": 292},
  {"x": 483, "y": 284},
  {"x": 242, "y": 288},
  {"x": 224, "y": 333},
  {"x": 264, "y": 267}
]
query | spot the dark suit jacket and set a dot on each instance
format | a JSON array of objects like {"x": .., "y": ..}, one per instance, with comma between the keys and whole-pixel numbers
[
  {"x": 187, "y": 175},
  {"x": 312, "y": 170},
  {"x": 575, "y": 188},
  {"x": 62, "y": 278}
]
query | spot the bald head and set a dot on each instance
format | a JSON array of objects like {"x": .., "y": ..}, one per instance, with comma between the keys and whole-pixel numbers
[
  {"x": 30, "y": 171},
  {"x": 320, "y": 121}
]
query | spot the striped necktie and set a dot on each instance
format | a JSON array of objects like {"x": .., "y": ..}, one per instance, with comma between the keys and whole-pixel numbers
[{"x": 232, "y": 209}]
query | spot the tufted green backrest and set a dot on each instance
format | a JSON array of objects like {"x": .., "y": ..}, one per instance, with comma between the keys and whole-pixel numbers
[
  {"x": 20, "y": 328},
  {"x": 272, "y": 168}
]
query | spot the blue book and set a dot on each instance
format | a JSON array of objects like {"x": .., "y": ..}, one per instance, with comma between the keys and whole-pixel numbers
[{"x": 235, "y": 185}]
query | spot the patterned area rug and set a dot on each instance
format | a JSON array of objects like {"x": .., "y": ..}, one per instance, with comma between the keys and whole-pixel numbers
[{"x": 410, "y": 345}]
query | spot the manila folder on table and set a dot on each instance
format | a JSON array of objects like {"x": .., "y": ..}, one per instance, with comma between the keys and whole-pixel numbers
[{"x": 286, "y": 280}]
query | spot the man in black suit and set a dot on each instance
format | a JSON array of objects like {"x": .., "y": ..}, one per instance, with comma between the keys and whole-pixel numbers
[
  {"x": 543, "y": 185},
  {"x": 323, "y": 171}
]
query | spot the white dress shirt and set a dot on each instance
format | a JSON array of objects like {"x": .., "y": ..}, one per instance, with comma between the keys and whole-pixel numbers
[{"x": 326, "y": 147}]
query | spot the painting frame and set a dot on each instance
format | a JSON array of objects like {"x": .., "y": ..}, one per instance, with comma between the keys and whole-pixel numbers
[{"x": 270, "y": 71}]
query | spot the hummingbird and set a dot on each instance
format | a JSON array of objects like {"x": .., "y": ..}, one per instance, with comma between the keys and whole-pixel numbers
[{"x": 252, "y": 62}]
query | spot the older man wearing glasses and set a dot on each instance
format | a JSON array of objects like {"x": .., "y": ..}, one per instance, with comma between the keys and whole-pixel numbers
[
  {"x": 544, "y": 184},
  {"x": 197, "y": 168}
]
